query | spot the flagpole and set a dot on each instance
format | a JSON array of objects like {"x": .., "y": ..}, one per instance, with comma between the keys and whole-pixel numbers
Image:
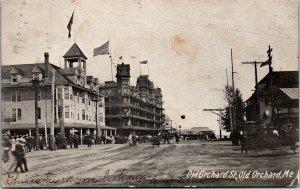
[
  {"x": 111, "y": 63},
  {"x": 140, "y": 69},
  {"x": 148, "y": 70},
  {"x": 75, "y": 29}
]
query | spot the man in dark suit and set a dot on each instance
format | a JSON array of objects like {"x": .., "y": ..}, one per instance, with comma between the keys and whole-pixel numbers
[{"x": 19, "y": 154}]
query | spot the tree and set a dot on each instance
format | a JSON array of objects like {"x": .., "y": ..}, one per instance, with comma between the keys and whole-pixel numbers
[{"x": 224, "y": 119}]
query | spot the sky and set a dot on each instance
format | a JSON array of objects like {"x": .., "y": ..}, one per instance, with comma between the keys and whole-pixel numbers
[{"x": 187, "y": 43}]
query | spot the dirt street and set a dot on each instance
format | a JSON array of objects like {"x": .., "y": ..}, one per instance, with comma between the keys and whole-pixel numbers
[{"x": 190, "y": 163}]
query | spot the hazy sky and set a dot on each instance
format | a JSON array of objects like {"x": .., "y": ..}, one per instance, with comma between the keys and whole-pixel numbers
[{"x": 186, "y": 42}]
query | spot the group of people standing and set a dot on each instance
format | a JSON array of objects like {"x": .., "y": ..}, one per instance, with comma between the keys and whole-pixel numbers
[{"x": 134, "y": 139}]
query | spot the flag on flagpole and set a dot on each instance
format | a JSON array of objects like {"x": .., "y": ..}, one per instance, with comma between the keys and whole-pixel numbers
[
  {"x": 102, "y": 50},
  {"x": 70, "y": 24},
  {"x": 144, "y": 62},
  {"x": 266, "y": 62}
]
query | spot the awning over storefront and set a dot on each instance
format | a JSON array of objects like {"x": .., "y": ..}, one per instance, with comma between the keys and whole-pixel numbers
[
  {"x": 292, "y": 93},
  {"x": 56, "y": 125},
  {"x": 139, "y": 128},
  {"x": 90, "y": 126}
]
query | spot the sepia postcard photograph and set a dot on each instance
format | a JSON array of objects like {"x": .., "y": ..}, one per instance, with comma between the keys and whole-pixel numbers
[{"x": 149, "y": 93}]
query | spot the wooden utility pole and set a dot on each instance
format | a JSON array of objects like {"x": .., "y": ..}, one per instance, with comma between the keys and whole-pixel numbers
[
  {"x": 255, "y": 63},
  {"x": 229, "y": 103},
  {"x": 36, "y": 108},
  {"x": 234, "y": 101},
  {"x": 51, "y": 139},
  {"x": 269, "y": 62}
]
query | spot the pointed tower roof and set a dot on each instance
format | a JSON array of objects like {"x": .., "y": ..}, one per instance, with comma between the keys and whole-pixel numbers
[{"x": 74, "y": 51}]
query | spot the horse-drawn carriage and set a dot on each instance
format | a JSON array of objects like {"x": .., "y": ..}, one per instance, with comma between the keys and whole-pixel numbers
[{"x": 256, "y": 137}]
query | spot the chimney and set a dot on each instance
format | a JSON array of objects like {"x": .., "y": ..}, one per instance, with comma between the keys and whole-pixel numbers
[{"x": 46, "y": 54}]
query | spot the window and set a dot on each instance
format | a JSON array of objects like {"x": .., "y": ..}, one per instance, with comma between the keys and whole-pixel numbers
[
  {"x": 77, "y": 116},
  {"x": 59, "y": 93},
  {"x": 101, "y": 117},
  {"x": 78, "y": 99},
  {"x": 13, "y": 96},
  {"x": 83, "y": 114},
  {"x": 66, "y": 91},
  {"x": 87, "y": 117},
  {"x": 40, "y": 113},
  {"x": 67, "y": 113},
  {"x": 16, "y": 96},
  {"x": 13, "y": 113},
  {"x": 59, "y": 112},
  {"x": 100, "y": 104},
  {"x": 19, "y": 114},
  {"x": 94, "y": 117},
  {"x": 19, "y": 96},
  {"x": 14, "y": 79},
  {"x": 89, "y": 102},
  {"x": 83, "y": 99}
]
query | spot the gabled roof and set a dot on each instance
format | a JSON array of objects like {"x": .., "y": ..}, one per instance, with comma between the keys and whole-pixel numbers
[
  {"x": 27, "y": 69},
  {"x": 16, "y": 70},
  {"x": 60, "y": 78},
  {"x": 282, "y": 79},
  {"x": 36, "y": 69},
  {"x": 74, "y": 51},
  {"x": 200, "y": 129}
]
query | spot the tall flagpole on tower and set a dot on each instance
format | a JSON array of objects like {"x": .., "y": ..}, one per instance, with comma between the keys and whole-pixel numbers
[
  {"x": 111, "y": 62},
  {"x": 74, "y": 27},
  {"x": 148, "y": 69}
]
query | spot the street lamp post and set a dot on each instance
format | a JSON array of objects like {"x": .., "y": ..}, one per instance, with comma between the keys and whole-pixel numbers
[{"x": 36, "y": 81}]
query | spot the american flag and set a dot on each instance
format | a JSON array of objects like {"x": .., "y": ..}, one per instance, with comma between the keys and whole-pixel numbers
[
  {"x": 70, "y": 24},
  {"x": 102, "y": 50},
  {"x": 144, "y": 62}
]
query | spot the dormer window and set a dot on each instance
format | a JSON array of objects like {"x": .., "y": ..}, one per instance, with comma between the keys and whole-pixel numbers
[
  {"x": 14, "y": 79},
  {"x": 37, "y": 76},
  {"x": 15, "y": 74}
]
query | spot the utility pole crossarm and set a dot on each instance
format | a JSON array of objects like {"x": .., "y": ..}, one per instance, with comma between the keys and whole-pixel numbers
[
  {"x": 215, "y": 111},
  {"x": 210, "y": 110},
  {"x": 253, "y": 62}
]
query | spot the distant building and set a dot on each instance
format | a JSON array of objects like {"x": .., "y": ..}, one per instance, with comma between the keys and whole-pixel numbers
[
  {"x": 76, "y": 96},
  {"x": 285, "y": 101},
  {"x": 133, "y": 108},
  {"x": 198, "y": 133}
]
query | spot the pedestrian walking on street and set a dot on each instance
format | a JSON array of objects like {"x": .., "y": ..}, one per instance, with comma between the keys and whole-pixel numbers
[
  {"x": 6, "y": 145},
  {"x": 89, "y": 140},
  {"x": 166, "y": 137},
  {"x": 71, "y": 141},
  {"x": 156, "y": 141},
  {"x": 19, "y": 154},
  {"x": 134, "y": 139},
  {"x": 177, "y": 138},
  {"x": 76, "y": 141}
]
